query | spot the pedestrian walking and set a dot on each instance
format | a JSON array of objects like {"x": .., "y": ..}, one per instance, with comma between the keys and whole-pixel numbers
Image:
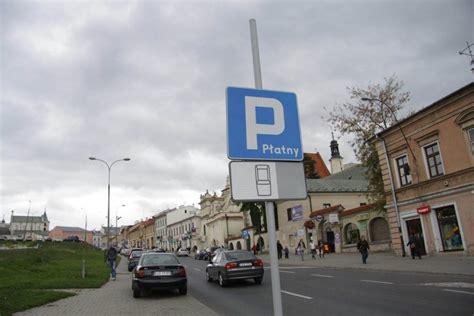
[
  {"x": 301, "y": 247},
  {"x": 321, "y": 249},
  {"x": 363, "y": 247},
  {"x": 111, "y": 257},
  {"x": 414, "y": 244},
  {"x": 279, "y": 250},
  {"x": 287, "y": 252},
  {"x": 312, "y": 246}
]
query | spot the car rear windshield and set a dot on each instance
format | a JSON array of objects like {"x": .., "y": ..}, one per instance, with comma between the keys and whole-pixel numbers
[
  {"x": 239, "y": 255},
  {"x": 136, "y": 254},
  {"x": 159, "y": 259}
]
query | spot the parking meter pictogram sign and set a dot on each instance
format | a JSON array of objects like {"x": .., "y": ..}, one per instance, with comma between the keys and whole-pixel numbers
[{"x": 262, "y": 125}]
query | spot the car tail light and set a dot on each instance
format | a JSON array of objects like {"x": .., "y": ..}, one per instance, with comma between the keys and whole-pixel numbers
[
  {"x": 258, "y": 263},
  {"x": 140, "y": 272},
  {"x": 231, "y": 265},
  {"x": 181, "y": 272}
]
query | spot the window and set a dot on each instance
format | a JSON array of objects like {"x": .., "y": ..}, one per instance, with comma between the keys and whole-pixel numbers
[
  {"x": 470, "y": 134},
  {"x": 403, "y": 171},
  {"x": 351, "y": 233},
  {"x": 449, "y": 228},
  {"x": 326, "y": 205},
  {"x": 288, "y": 213},
  {"x": 433, "y": 159},
  {"x": 379, "y": 229}
]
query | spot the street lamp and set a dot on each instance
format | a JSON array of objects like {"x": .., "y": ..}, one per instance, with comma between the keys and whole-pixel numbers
[
  {"x": 108, "y": 193},
  {"x": 394, "y": 196},
  {"x": 116, "y": 228}
]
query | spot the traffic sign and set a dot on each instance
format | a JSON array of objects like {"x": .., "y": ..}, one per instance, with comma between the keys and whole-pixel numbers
[
  {"x": 267, "y": 181},
  {"x": 262, "y": 125}
]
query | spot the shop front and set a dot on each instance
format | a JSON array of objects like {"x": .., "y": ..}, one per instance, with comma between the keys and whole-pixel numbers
[
  {"x": 435, "y": 228},
  {"x": 448, "y": 232}
]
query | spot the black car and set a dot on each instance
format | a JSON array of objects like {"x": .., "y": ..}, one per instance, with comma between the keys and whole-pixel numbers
[
  {"x": 133, "y": 258},
  {"x": 158, "y": 271},
  {"x": 234, "y": 265},
  {"x": 72, "y": 239},
  {"x": 202, "y": 255}
]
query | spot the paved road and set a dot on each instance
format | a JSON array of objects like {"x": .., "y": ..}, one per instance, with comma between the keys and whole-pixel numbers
[
  {"x": 308, "y": 290},
  {"x": 312, "y": 290}
]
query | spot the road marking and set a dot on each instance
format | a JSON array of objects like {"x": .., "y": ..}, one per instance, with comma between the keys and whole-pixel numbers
[
  {"x": 298, "y": 295},
  {"x": 452, "y": 284},
  {"x": 283, "y": 271},
  {"x": 197, "y": 269},
  {"x": 373, "y": 281},
  {"x": 322, "y": 276},
  {"x": 457, "y": 291}
]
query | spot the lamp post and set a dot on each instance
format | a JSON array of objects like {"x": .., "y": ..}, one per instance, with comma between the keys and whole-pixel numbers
[
  {"x": 394, "y": 196},
  {"x": 108, "y": 192},
  {"x": 116, "y": 228}
]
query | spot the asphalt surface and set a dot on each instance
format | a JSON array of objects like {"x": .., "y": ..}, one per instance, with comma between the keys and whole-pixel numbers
[
  {"x": 323, "y": 291},
  {"x": 306, "y": 290}
]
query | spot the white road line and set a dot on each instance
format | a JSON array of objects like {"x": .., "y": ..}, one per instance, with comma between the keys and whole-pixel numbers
[
  {"x": 283, "y": 271},
  {"x": 373, "y": 281},
  {"x": 298, "y": 295},
  {"x": 322, "y": 276},
  {"x": 457, "y": 291},
  {"x": 196, "y": 269}
]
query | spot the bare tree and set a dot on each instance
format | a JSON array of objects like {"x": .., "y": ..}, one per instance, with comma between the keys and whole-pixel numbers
[{"x": 370, "y": 111}]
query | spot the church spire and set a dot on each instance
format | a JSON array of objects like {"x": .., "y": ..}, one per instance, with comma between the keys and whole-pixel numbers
[
  {"x": 334, "y": 148},
  {"x": 336, "y": 158}
]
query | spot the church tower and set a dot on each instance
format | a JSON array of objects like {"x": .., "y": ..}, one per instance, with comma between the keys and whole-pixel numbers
[{"x": 336, "y": 158}]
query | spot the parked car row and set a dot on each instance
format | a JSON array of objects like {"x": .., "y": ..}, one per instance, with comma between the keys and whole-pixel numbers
[{"x": 155, "y": 270}]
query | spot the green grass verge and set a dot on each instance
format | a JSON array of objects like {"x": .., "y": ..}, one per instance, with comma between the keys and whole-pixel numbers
[
  {"x": 54, "y": 265},
  {"x": 12, "y": 301}
]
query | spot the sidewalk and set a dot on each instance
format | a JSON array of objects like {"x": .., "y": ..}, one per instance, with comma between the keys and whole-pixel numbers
[
  {"x": 115, "y": 298},
  {"x": 462, "y": 265}
]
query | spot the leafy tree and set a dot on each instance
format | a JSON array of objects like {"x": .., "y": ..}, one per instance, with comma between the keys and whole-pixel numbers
[
  {"x": 364, "y": 118},
  {"x": 257, "y": 215},
  {"x": 309, "y": 164}
]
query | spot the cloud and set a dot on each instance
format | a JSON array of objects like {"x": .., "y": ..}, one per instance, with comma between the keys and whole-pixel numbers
[{"x": 147, "y": 80}]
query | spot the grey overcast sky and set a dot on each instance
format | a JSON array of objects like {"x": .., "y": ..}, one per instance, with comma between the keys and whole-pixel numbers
[{"x": 147, "y": 80}]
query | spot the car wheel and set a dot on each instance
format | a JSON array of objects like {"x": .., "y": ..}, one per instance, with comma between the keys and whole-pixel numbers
[
  {"x": 183, "y": 291},
  {"x": 258, "y": 280},
  {"x": 222, "y": 282},
  {"x": 136, "y": 293},
  {"x": 208, "y": 277}
]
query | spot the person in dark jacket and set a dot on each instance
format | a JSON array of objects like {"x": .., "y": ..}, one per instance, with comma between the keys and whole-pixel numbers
[
  {"x": 414, "y": 245},
  {"x": 279, "y": 250},
  {"x": 363, "y": 247},
  {"x": 111, "y": 257}
]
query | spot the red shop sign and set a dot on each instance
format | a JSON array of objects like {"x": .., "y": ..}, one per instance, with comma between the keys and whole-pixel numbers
[{"x": 425, "y": 209}]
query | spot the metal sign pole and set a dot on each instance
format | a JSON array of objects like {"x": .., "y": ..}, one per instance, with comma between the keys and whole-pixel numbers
[{"x": 275, "y": 272}]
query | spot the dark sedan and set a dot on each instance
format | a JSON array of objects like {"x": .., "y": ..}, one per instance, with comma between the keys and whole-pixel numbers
[
  {"x": 158, "y": 271},
  {"x": 234, "y": 265},
  {"x": 133, "y": 258}
]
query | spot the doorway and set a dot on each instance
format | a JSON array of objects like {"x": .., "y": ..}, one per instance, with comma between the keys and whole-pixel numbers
[
  {"x": 330, "y": 241},
  {"x": 414, "y": 229}
]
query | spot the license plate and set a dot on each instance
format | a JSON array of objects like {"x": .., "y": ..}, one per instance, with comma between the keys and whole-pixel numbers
[
  {"x": 248, "y": 264},
  {"x": 161, "y": 273}
]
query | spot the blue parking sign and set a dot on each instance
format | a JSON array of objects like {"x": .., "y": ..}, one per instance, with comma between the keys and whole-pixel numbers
[{"x": 262, "y": 125}]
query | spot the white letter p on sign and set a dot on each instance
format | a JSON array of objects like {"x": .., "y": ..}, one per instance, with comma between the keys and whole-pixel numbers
[{"x": 253, "y": 129}]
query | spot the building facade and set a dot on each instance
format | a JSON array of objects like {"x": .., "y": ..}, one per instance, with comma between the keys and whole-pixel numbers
[
  {"x": 427, "y": 162},
  {"x": 29, "y": 227},
  {"x": 321, "y": 216},
  {"x": 59, "y": 233},
  {"x": 221, "y": 219}
]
